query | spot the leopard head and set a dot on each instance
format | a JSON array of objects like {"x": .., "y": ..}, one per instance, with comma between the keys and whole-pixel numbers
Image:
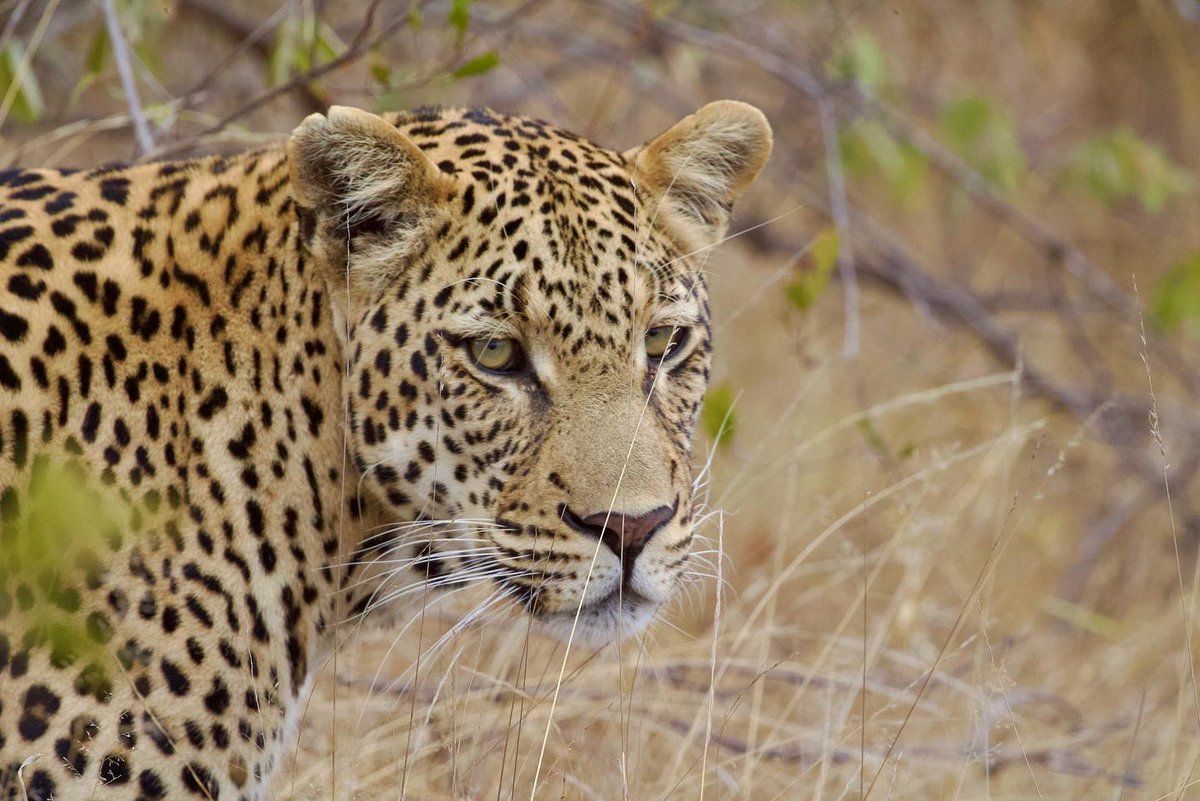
[{"x": 527, "y": 339}]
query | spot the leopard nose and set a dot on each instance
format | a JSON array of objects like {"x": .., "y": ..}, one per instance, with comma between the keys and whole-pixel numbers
[{"x": 626, "y": 535}]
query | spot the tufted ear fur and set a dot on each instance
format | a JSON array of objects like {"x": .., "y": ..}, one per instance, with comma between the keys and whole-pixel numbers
[
  {"x": 700, "y": 166},
  {"x": 363, "y": 185}
]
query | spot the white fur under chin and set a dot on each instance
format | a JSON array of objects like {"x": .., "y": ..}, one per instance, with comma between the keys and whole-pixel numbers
[{"x": 600, "y": 624}]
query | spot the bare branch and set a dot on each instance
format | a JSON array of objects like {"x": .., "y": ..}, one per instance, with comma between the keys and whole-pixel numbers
[
  {"x": 14, "y": 19},
  {"x": 141, "y": 129},
  {"x": 362, "y": 42},
  {"x": 841, "y": 219},
  {"x": 249, "y": 37}
]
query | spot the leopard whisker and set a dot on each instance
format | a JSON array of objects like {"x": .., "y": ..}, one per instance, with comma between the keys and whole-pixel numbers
[
  {"x": 394, "y": 572},
  {"x": 452, "y": 579},
  {"x": 383, "y": 542},
  {"x": 708, "y": 248},
  {"x": 396, "y": 640},
  {"x": 380, "y": 559},
  {"x": 436, "y": 522},
  {"x": 715, "y": 513},
  {"x": 467, "y": 621},
  {"x": 430, "y": 653}
]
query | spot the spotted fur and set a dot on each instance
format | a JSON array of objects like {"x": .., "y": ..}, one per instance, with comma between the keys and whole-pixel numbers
[{"x": 219, "y": 377}]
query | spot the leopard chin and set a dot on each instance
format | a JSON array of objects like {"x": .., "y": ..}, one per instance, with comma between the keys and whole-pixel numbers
[{"x": 616, "y": 617}]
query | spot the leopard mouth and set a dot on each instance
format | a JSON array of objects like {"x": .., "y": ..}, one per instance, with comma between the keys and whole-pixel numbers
[{"x": 620, "y": 614}]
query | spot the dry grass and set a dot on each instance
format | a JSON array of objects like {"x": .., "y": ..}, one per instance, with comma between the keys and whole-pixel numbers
[
  {"x": 915, "y": 593},
  {"x": 886, "y": 616}
]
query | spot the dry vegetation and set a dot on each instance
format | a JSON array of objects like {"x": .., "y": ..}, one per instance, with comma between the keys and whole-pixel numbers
[{"x": 947, "y": 567}]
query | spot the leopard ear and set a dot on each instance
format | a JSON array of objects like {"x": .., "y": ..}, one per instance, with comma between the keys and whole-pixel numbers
[
  {"x": 361, "y": 183},
  {"x": 697, "y": 168}
]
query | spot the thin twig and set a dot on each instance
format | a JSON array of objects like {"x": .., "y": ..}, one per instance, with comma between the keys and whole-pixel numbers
[
  {"x": 24, "y": 68},
  {"x": 1137, "y": 727},
  {"x": 120, "y": 49},
  {"x": 362, "y": 43},
  {"x": 249, "y": 37},
  {"x": 1120, "y": 512},
  {"x": 14, "y": 19},
  {"x": 83, "y": 129},
  {"x": 1160, "y": 445},
  {"x": 841, "y": 220}
]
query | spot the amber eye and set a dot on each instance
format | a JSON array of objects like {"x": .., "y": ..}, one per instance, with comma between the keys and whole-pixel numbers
[
  {"x": 663, "y": 340},
  {"x": 497, "y": 355}
]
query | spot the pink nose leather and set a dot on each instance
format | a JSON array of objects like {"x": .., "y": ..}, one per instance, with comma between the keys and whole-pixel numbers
[{"x": 627, "y": 532}]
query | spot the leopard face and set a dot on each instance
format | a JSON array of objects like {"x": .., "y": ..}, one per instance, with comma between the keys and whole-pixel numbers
[{"x": 528, "y": 342}]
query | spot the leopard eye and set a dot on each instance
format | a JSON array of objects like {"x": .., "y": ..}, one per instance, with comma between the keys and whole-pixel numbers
[
  {"x": 663, "y": 340},
  {"x": 497, "y": 355}
]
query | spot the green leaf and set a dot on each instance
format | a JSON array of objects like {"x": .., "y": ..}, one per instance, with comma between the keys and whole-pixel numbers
[
  {"x": 329, "y": 44},
  {"x": 1175, "y": 303},
  {"x": 147, "y": 55},
  {"x": 816, "y": 271},
  {"x": 873, "y": 438},
  {"x": 868, "y": 149},
  {"x": 824, "y": 250},
  {"x": 300, "y": 45},
  {"x": 478, "y": 65},
  {"x": 282, "y": 60},
  {"x": 306, "y": 44},
  {"x": 97, "y": 55},
  {"x": 27, "y": 105},
  {"x": 1121, "y": 166},
  {"x": 60, "y": 533},
  {"x": 717, "y": 417},
  {"x": 1083, "y": 618},
  {"x": 983, "y": 134},
  {"x": 460, "y": 16},
  {"x": 860, "y": 60},
  {"x": 382, "y": 73},
  {"x": 965, "y": 119},
  {"x": 93, "y": 66}
]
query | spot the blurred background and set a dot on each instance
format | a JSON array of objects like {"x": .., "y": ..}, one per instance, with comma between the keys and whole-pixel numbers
[{"x": 954, "y": 427}]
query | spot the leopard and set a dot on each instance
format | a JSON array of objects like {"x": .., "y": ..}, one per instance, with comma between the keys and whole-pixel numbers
[{"x": 247, "y": 399}]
